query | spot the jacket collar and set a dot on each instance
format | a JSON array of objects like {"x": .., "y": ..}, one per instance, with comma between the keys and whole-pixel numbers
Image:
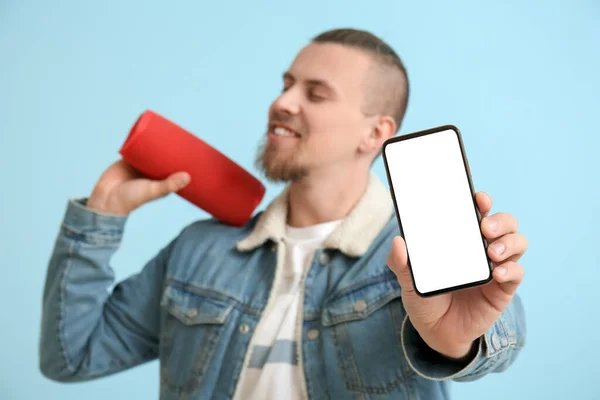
[{"x": 352, "y": 236}]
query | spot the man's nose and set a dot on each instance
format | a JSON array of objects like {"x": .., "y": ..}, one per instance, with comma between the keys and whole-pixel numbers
[{"x": 288, "y": 102}]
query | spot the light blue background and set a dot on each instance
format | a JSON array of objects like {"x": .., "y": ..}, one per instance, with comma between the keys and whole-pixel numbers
[{"x": 520, "y": 80}]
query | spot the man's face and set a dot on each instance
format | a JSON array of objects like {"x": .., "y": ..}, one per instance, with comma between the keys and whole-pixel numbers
[{"x": 317, "y": 122}]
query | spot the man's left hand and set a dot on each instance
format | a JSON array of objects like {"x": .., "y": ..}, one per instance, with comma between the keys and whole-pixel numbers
[{"x": 449, "y": 323}]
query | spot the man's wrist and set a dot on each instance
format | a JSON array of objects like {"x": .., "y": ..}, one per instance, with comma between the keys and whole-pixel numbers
[
  {"x": 461, "y": 353},
  {"x": 458, "y": 353},
  {"x": 101, "y": 203},
  {"x": 83, "y": 224},
  {"x": 96, "y": 203},
  {"x": 432, "y": 364},
  {"x": 449, "y": 350}
]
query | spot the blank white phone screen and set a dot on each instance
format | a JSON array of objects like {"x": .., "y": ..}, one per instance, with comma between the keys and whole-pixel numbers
[{"x": 436, "y": 210}]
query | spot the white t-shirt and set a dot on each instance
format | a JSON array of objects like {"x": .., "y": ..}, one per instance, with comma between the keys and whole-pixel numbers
[{"x": 273, "y": 371}]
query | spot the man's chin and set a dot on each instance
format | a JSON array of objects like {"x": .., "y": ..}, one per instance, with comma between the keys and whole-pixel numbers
[
  {"x": 275, "y": 169},
  {"x": 282, "y": 172}
]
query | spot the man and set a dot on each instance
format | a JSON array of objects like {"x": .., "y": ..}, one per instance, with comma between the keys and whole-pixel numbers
[{"x": 313, "y": 297}]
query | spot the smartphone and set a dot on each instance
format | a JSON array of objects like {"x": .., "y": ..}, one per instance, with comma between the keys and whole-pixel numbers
[{"x": 432, "y": 190}]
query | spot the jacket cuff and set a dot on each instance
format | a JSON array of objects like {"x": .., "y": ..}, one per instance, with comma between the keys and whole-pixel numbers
[
  {"x": 93, "y": 227},
  {"x": 432, "y": 365}
]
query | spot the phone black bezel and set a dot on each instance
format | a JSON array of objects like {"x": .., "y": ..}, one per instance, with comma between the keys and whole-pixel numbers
[{"x": 469, "y": 178}]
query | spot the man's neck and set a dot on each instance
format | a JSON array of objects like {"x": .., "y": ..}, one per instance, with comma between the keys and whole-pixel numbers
[{"x": 324, "y": 197}]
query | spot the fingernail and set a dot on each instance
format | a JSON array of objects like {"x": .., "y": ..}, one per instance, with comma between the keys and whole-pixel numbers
[
  {"x": 498, "y": 248},
  {"x": 184, "y": 180},
  {"x": 501, "y": 271},
  {"x": 493, "y": 225}
]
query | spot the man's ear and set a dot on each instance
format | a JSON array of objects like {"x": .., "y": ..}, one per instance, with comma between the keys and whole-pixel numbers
[{"x": 383, "y": 128}]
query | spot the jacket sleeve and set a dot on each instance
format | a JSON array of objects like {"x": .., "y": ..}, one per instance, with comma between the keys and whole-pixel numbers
[
  {"x": 495, "y": 351},
  {"x": 88, "y": 330}
]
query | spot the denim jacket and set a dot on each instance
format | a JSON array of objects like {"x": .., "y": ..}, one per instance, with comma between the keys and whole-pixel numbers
[{"x": 196, "y": 304}]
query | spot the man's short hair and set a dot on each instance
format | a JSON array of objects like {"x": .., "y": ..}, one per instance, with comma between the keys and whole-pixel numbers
[{"x": 387, "y": 89}]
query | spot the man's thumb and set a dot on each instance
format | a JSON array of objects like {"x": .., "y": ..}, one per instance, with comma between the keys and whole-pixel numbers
[
  {"x": 397, "y": 261},
  {"x": 171, "y": 184},
  {"x": 178, "y": 181}
]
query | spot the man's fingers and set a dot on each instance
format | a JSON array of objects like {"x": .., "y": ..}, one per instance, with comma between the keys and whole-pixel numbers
[
  {"x": 397, "y": 261},
  {"x": 498, "y": 225},
  {"x": 509, "y": 275},
  {"x": 484, "y": 203},
  {"x": 511, "y": 246}
]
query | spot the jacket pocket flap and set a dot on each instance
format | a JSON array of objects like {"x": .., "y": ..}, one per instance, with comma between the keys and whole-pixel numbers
[
  {"x": 198, "y": 307},
  {"x": 360, "y": 302}
]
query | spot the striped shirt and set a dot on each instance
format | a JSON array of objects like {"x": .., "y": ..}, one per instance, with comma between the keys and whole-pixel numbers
[{"x": 272, "y": 371}]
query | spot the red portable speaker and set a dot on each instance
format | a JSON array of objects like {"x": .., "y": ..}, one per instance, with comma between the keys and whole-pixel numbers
[{"x": 158, "y": 148}]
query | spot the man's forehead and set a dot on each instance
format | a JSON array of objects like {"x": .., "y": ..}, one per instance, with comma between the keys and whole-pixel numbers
[{"x": 331, "y": 62}]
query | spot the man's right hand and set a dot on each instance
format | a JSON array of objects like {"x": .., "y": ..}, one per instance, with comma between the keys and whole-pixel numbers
[{"x": 121, "y": 189}]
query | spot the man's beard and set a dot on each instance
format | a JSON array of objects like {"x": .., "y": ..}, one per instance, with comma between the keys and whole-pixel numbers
[{"x": 276, "y": 169}]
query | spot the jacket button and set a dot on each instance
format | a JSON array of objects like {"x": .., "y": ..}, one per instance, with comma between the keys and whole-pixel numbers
[
  {"x": 244, "y": 328},
  {"x": 192, "y": 312},
  {"x": 360, "y": 306},
  {"x": 313, "y": 334},
  {"x": 324, "y": 258}
]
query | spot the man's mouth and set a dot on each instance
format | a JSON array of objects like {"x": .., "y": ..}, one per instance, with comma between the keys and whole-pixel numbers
[{"x": 280, "y": 130}]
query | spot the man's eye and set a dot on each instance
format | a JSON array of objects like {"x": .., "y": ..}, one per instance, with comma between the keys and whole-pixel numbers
[{"x": 315, "y": 97}]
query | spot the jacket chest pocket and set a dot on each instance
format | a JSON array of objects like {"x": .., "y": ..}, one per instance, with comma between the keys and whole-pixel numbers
[
  {"x": 190, "y": 335},
  {"x": 366, "y": 328}
]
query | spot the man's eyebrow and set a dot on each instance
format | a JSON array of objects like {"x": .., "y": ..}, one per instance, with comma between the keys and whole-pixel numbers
[{"x": 314, "y": 82}]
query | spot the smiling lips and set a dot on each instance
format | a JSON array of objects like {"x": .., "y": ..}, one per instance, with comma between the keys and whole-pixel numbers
[{"x": 281, "y": 131}]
